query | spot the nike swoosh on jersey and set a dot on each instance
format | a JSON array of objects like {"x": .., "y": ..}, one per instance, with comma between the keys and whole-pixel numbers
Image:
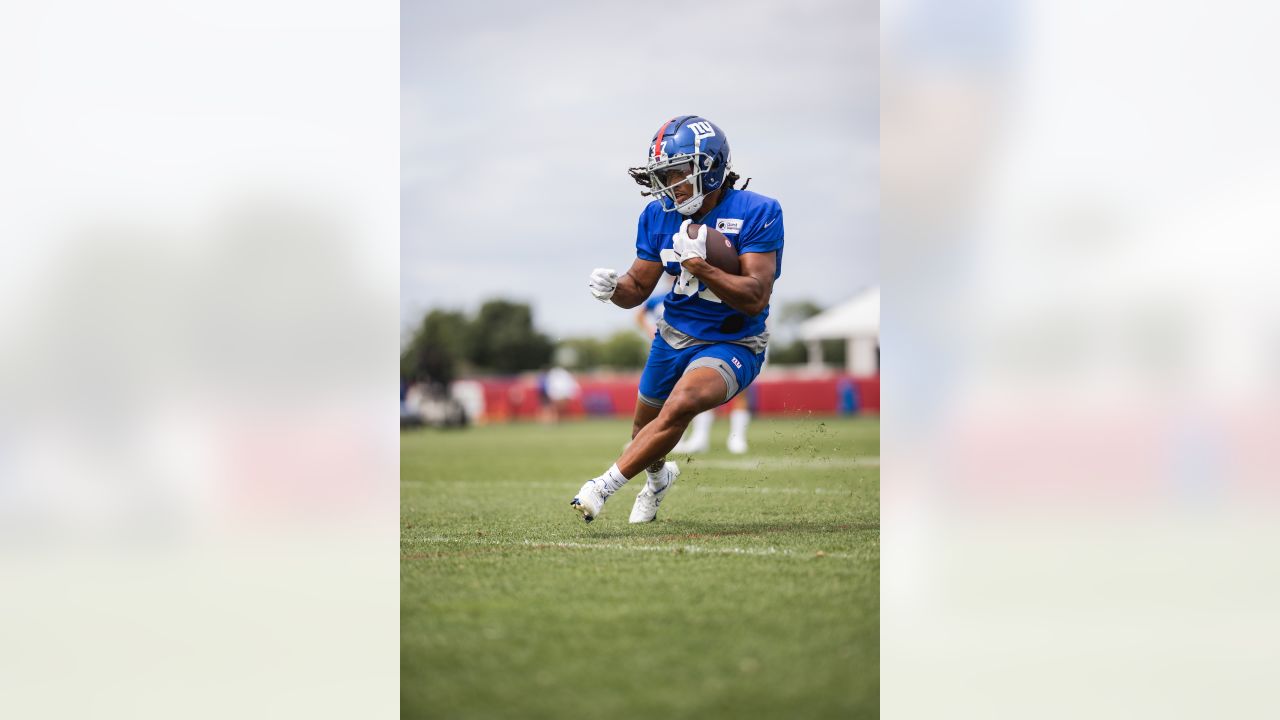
[{"x": 768, "y": 223}]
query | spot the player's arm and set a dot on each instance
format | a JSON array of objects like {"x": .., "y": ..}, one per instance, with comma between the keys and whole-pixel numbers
[
  {"x": 637, "y": 284},
  {"x": 747, "y": 293}
]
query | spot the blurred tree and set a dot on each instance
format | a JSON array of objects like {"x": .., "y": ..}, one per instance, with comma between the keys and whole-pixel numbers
[
  {"x": 789, "y": 354},
  {"x": 501, "y": 338},
  {"x": 624, "y": 350},
  {"x": 833, "y": 352},
  {"x": 798, "y": 311},
  {"x": 796, "y": 353},
  {"x": 433, "y": 353},
  {"x": 585, "y": 351},
  {"x": 504, "y": 340}
]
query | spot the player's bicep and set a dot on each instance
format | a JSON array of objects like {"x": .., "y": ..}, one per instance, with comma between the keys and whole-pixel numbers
[{"x": 762, "y": 267}]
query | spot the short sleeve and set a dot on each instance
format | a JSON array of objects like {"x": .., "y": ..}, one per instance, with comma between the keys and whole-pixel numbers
[
  {"x": 645, "y": 249},
  {"x": 763, "y": 231}
]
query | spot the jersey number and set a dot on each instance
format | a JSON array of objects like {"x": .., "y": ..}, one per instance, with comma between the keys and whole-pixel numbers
[{"x": 668, "y": 256}]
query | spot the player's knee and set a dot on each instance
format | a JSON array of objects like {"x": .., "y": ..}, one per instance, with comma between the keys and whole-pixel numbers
[{"x": 682, "y": 407}]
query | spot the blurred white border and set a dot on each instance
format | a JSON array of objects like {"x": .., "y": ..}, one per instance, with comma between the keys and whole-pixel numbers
[
  {"x": 1081, "y": 343},
  {"x": 198, "y": 293}
]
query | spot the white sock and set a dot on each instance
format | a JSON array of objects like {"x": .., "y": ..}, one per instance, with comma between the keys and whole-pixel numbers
[
  {"x": 612, "y": 480},
  {"x": 700, "y": 428},
  {"x": 657, "y": 480},
  {"x": 738, "y": 421}
]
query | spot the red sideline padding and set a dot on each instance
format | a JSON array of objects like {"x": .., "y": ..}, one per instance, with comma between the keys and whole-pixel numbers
[
  {"x": 868, "y": 393},
  {"x": 519, "y": 399},
  {"x": 833, "y": 395}
]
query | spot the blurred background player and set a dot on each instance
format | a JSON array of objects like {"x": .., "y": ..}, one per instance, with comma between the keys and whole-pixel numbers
[
  {"x": 698, "y": 438},
  {"x": 558, "y": 389},
  {"x": 710, "y": 341}
]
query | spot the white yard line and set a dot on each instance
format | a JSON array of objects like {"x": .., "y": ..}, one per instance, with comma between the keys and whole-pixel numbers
[
  {"x": 769, "y": 490},
  {"x": 755, "y": 463},
  {"x": 762, "y": 463},
  {"x": 785, "y": 463},
  {"x": 765, "y": 489},
  {"x": 756, "y": 489},
  {"x": 769, "y": 551}
]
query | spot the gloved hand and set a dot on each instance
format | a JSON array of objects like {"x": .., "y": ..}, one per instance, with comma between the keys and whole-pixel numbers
[
  {"x": 686, "y": 283},
  {"x": 602, "y": 283},
  {"x": 690, "y": 247}
]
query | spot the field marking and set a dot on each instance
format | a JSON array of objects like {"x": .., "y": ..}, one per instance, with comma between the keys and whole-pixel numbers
[
  {"x": 535, "y": 484},
  {"x": 540, "y": 485},
  {"x": 770, "y": 490},
  {"x": 685, "y": 548},
  {"x": 692, "y": 549},
  {"x": 783, "y": 462},
  {"x": 759, "y": 463},
  {"x": 776, "y": 462}
]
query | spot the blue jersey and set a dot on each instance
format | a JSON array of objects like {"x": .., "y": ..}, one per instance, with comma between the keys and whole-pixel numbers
[{"x": 752, "y": 222}]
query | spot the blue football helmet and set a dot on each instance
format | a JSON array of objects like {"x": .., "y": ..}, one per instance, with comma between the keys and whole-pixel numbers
[{"x": 686, "y": 149}]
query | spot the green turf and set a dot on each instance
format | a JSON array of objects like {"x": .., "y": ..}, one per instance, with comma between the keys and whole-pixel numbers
[{"x": 512, "y": 607}]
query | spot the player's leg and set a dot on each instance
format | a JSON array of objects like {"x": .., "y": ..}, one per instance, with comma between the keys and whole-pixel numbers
[
  {"x": 699, "y": 389},
  {"x": 698, "y": 439},
  {"x": 736, "y": 368},
  {"x": 661, "y": 372},
  {"x": 645, "y": 414}
]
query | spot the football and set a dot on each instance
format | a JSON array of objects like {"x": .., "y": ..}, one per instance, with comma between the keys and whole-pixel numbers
[{"x": 720, "y": 250}]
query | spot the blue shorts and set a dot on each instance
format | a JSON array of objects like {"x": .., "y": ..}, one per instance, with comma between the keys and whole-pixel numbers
[{"x": 735, "y": 363}]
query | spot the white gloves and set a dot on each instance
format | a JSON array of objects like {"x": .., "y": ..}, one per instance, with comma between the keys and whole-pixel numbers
[
  {"x": 603, "y": 282},
  {"x": 690, "y": 247}
]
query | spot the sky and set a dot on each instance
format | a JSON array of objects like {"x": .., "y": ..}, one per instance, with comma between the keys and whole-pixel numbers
[{"x": 519, "y": 120}]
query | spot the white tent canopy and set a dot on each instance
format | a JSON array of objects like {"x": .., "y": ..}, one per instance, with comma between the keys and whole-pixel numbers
[{"x": 857, "y": 322}]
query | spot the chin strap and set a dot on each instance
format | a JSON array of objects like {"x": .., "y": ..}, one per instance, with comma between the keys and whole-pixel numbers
[{"x": 690, "y": 206}]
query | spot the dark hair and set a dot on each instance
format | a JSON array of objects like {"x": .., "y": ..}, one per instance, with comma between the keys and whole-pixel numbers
[{"x": 732, "y": 178}]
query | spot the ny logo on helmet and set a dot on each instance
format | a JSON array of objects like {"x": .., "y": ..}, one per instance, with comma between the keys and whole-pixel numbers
[{"x": 702, "y": 130}]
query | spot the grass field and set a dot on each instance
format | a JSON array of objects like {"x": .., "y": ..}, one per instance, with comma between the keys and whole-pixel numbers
[{"x": 754, "y": 595}]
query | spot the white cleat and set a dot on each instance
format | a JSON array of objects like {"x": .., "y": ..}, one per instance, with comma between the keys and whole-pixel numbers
[
  {"x": 737, "y": 445},
  {"x": 647, "y": 502},
  {"x": 589, "y": 501}
]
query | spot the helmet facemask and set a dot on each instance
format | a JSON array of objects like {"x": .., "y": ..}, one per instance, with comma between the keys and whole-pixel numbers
[
  {"x": 668, "y": 174},
  {"x": 665, "y": 177}
]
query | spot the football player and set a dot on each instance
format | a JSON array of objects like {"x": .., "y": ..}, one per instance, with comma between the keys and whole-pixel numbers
[
  {"x": 698, "y": 438},
  {"x": 711, "y": 338}
]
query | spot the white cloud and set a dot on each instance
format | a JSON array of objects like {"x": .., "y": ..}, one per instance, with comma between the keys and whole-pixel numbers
[{"x": 518, "y": 126}]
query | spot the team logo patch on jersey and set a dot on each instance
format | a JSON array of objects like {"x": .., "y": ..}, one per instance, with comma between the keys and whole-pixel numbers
[
  {"x": 729, "y": 225},
  {"x": 735, "y": 362}
]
